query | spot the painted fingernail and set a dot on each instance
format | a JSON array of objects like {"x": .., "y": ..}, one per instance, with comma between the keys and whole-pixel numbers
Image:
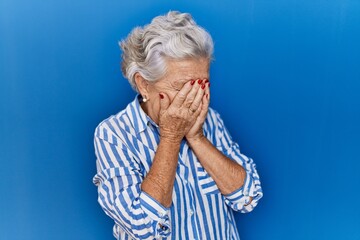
[
  {"x": 203, "y": 86},
  {"x": 207, "y": 95},
  {"x": 206, "y": 80},
  {"x": 199, "y": 81},
  {"x": 192, "y": 82},
  {"x": 209, "y": 84},
  {"x": 161, "y": 96}
]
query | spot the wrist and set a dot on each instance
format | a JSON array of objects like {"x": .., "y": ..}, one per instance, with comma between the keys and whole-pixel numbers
[
  {"x": 170, "y": 140},
  {"x": 196, "y": 140}
]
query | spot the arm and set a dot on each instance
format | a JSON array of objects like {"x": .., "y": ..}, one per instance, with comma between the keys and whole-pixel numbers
[
  {"x": 175, "y": 119},
  {"x": 138, "y": 204},
  {"x": 214, "y": 161},
  {"x": 118, "y": 179},
  {"x": 246, "y": 198},
  {"x": 216, "y": 164},
  {"x": 234, "y": 174},
  {"x": 159, "y": 182}
]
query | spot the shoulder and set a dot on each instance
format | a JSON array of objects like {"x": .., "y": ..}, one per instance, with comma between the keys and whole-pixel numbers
[
  {"x": 213, "y": 126},
  {"x": 213, "y": 118},
  {"x": 114, "y": 126},
  {"x": 213, "y": 113}
]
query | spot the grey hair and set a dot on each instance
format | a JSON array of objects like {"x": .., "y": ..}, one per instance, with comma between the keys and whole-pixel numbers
[{"x": 172, "y": 36}]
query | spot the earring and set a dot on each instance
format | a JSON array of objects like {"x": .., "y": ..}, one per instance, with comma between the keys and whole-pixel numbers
[{"x": 145, "y": 99}]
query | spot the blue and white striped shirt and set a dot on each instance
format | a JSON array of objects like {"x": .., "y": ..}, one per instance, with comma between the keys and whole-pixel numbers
[{"x": 125, "y": 146}]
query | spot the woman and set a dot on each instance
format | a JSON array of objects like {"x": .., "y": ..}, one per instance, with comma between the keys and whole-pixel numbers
[{"x": 166, "y": 166}]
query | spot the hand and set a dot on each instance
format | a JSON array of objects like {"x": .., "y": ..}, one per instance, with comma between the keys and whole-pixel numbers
[
  {"x": 196, "y": 131},
  {"x": 177, "y": 117}
]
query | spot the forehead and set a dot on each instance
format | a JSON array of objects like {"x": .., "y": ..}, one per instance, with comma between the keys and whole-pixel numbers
[{"x": 179, "y": 72}]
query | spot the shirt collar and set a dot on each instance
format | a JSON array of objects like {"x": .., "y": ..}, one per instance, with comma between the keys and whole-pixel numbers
[{"x": 138, "y": 117}]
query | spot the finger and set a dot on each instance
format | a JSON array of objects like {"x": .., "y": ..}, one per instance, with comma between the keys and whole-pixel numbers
[
  {"x": 181, "y": 95},
  {"x": 205, "y": 104},
  {"x": 204, "y": 108},
  {"x": 206, "y": 98},
  {"x": 198, "y": 121},
  {"x": 197, "y": 101},
  {"x": 192, "y": 94},
  {"x": 198, "y": 110},
  {"x": 164, "y": 102}
]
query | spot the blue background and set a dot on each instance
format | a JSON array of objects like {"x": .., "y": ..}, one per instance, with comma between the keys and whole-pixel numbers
[{"x": 286, "y": 80}]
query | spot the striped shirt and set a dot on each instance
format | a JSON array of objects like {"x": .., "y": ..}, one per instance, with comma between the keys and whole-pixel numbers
[{"x": 125, "y": 146}]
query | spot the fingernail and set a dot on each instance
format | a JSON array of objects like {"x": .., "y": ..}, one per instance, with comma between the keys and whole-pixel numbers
[
  {"x": 199, "y": 81},
  {"x": 192, "y": 82},
  {"x": 161, "y": 96},
  {"x": 206, "y": 80},
  {"x": 203, "y": 86},
  {"x": 209, "y": 84},
  {"x": 207, "y": 95}
]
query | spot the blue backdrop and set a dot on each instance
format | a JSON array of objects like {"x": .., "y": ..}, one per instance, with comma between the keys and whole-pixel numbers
[{"x": 286, "y": 80}]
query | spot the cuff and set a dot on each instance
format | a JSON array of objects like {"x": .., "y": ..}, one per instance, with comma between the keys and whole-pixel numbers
[
  {"x": 241, "y": 194},
  {"x": 239, "y": 200},
  {"x": 157, "y": 212}
]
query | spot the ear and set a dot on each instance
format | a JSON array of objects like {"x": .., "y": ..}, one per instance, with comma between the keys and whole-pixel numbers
[{"x": 141, "y": 84}]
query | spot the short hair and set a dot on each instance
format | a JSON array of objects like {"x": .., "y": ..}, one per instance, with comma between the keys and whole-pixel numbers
[{"x": 172, "y": 36}]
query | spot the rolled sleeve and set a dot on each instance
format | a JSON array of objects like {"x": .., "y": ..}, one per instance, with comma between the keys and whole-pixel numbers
[
  {"x": 239, "y": 200},
  {"x": 119, "y": 179},
  {"x": 157, "y": 212}
]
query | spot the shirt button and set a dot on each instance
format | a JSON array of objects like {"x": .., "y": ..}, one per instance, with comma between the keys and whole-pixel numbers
[
  {"x": 185, "y": 181},
  {"x": 163, "y": 227},
  {"x": 191, "y": 212}
]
